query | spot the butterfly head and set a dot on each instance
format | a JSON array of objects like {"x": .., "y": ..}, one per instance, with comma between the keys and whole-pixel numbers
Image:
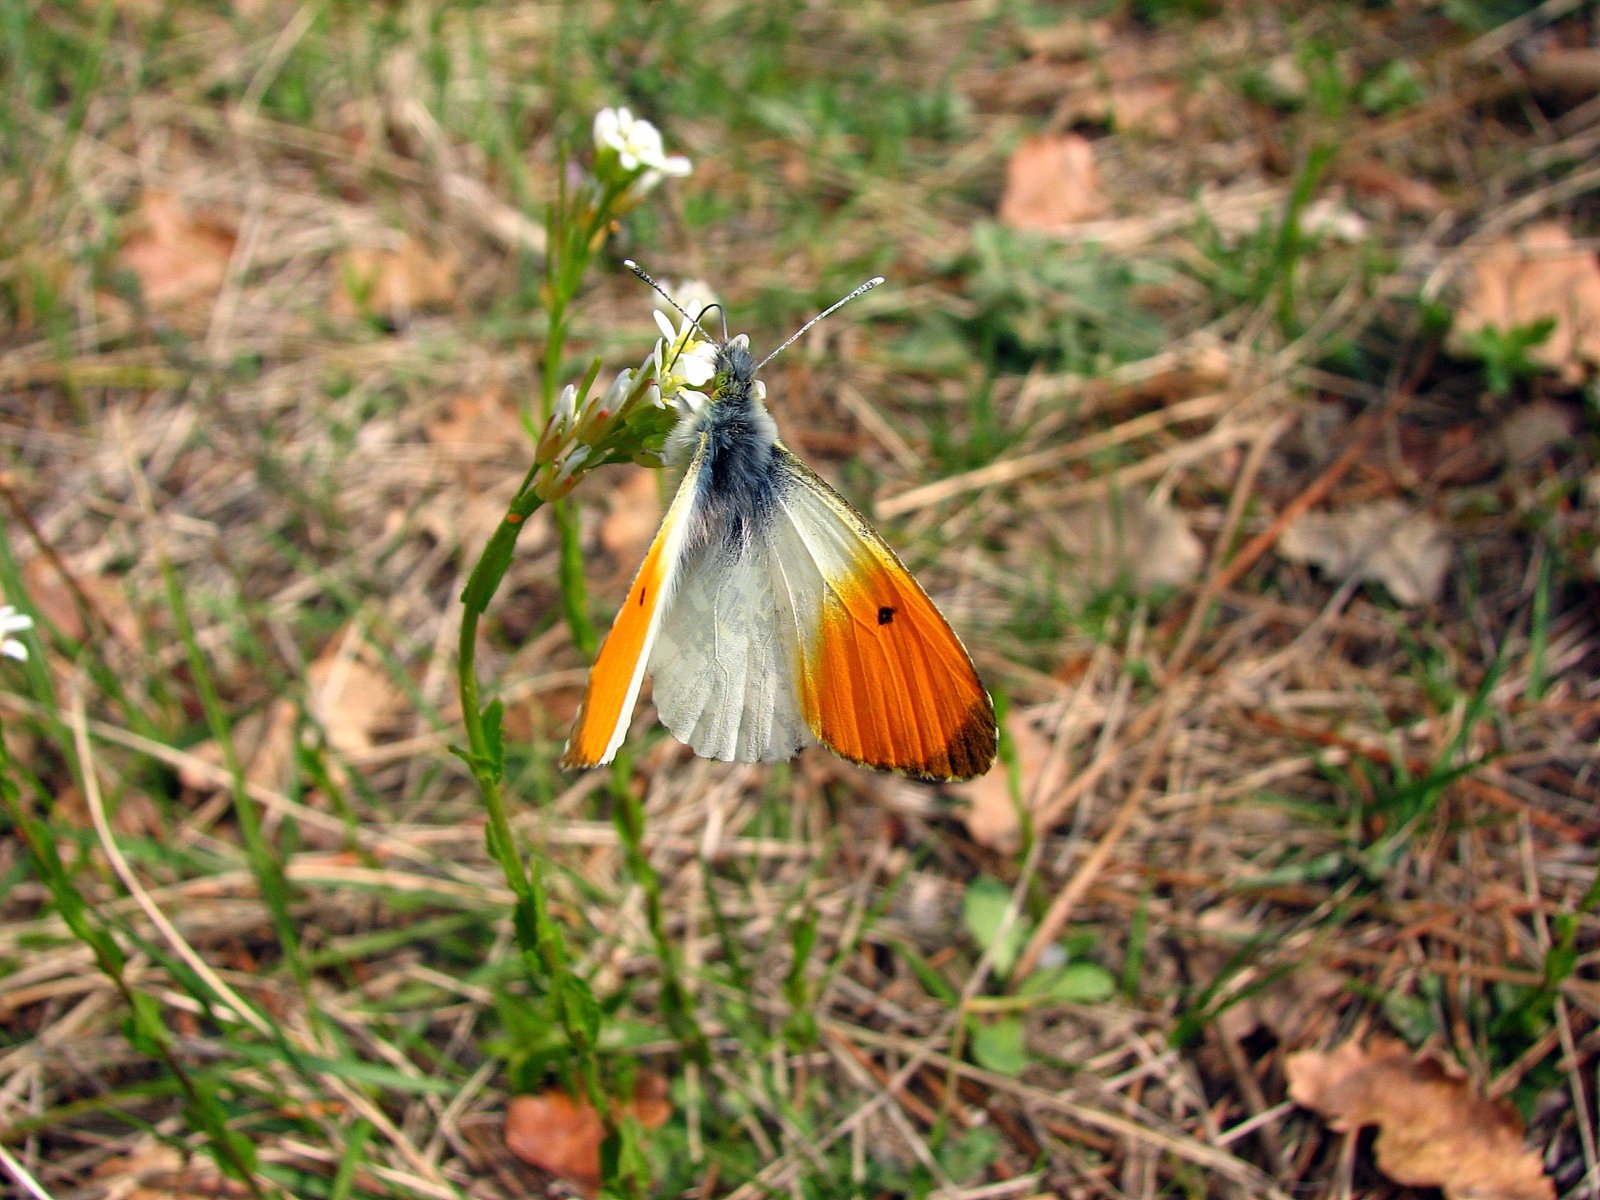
[{"x": 735, "y": 379}]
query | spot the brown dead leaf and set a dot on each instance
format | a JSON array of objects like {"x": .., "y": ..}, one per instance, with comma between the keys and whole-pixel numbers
[
  {"x": 1541, "y": 273},
  {"x": 1293, "y": 1007},
  {"x": 635, "y": 513},
  {"x": 560, "y": 1134},
  {"x": 1570, "y": 70},
  {"x": 1126, "y": 98},
  {"x": 350, "y": 698},
  {"x": 393, "y": 283},
  {"x": 1533, "y": 430},
  {"x": 480, "y": 424},
  {"x": 1051, "y": 184},
  {"x": 1377, "y": 180},
  {"x": 65, "y": 603},
  {"x": 990, "y": 816},
  {"x": 1138, "y": 539},
  {"x": 1074, "y": 37},
  {"x": 177, "y": 256},
  {"x": 1153, "y": 106},
  {"x": 264, "y": 742},
  {"x": 1433, "y": 1129},
  {"x": 152, "y": 1171},
  {"x": 1384, "y": 541}
]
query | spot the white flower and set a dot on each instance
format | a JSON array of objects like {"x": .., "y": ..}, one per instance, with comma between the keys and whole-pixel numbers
[
  {"x": 685, "y": 356},
  {"x": 11, "y": 621},
  {"x": 636, "y": 143}
]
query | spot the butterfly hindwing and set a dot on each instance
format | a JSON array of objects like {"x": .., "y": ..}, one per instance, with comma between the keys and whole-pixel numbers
[{"x": 723, "y": 668}]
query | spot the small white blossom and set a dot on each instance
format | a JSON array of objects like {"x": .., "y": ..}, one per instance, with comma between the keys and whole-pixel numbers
[
  {"x": 637, "y": 144},
  {"x": 686, "y": 357},
  {"x": 11, "y": 621},
  {"x": 556, "y": 429}
]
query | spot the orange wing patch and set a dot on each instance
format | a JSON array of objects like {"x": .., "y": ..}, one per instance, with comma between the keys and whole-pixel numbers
[
  {"x": 619, "y": 670},
  {"x": 612, "y": 677},
  {"x": 890, "y": 684}
]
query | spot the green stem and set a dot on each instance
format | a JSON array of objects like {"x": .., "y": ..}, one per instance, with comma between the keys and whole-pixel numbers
[
  {"x": 543, "y": 952},
  {"x": 574, "y": 591},
  {"x": 145, "y": 1029},
  {"x": 676, "y": 1003},
  {"x": 564, "y": 269},
  {"x": 265, "y": 862}
]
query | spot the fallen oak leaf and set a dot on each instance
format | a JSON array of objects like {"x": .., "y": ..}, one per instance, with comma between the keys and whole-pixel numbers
[
  {"x": 1385, "y": 542},
  {"x": 1433, "y": 1129},
  {"x": 1051, "y": 184},
  {"x": 394, "y": 283},
  {"x": 635, "y": 512},
  {"x": 177, "y": 257},
  {"x": 561, "y": 1134},
  {"x": 1539, "y": 275},
  {"x": 350, "y": 698},
  {"x": 991, "y": 815},
  {"x": 1137, "y": 540}
]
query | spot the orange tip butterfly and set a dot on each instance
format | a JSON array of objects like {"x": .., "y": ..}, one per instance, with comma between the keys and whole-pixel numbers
[{"x": 772, "y": 616}]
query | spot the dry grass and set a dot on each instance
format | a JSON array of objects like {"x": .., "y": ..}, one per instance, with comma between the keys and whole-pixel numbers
[{"x": 1279, "y": 808}]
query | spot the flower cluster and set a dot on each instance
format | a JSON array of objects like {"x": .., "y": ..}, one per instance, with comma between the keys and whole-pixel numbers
[
  {"x": 11, "y": 621},
  {"x": 686, "y": 357},
  {"x": 631, "y": 418},
  {"x": 629, "y": 155}
]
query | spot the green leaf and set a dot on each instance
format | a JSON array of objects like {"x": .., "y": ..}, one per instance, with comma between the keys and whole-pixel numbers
[
  {"x": 803, "y": 939},
  {"x": 983, "y": 909},
  {"x": 494, "y": 738},
  {"x": 491, "y": 566},
  {"x": 998, "y": 1046},
  {"x": 525, "y": 924},
  {"x": 1412, "y": 1016},
  {"x": 1075, "y": 983},
  {"x": 579, "y": 1007},
  {"x": 145, "y": 1030}
]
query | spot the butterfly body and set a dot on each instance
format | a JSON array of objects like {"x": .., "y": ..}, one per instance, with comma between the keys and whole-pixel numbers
[{"x": 771, "y": 616}]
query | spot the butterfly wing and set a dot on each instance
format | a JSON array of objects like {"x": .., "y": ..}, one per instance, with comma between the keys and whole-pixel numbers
[
  {"x": 723, "y": 671},
  {"x": 619, "y": 669},
  {"x": 881, "y": 678}
]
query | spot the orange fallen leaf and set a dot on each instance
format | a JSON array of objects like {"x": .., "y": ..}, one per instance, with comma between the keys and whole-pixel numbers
[
  {"x": 635, "y": 513},
  {"x": 1433, "y": 1129},
  {"x": 1376, "y": 179},
  {"x": 1051, "y": 184},
  {"x": 65, "y": 602},
  {"x": 394, "y": 283},
  {"x": 560, "y": 1134},
  {"x": 264, "y": 742},
  {"x": 350, "y": 698},
  {"x": 483, "y": 423},
  {"x": 1138, "y": 539},
  {"x": 1539, "y": 274},
  {"x": 482, "y": 433},
  {"x": 177, "y": 256}
]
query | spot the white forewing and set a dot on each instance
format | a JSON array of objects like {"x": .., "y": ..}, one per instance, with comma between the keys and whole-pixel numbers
[
  {"x": 816, "y": 535},
  {"x": 723, "y": 666}
]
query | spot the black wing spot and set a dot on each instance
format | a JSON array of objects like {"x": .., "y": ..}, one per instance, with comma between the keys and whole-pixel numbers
[
  {"x": 642, "y": 592},
  {"x": 885, "y": 615}
]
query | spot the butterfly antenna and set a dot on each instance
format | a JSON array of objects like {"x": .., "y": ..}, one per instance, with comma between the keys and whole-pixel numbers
[
  {"x": 662, "y": 292},
  {"x": 830, "y": 310}
]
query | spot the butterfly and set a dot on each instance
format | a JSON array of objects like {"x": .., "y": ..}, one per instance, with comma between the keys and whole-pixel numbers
[{"x": 772, "y": 616}]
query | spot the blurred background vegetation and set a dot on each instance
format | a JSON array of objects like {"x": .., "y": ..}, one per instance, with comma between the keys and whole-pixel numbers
[{"x": 1232, "y": 391}]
